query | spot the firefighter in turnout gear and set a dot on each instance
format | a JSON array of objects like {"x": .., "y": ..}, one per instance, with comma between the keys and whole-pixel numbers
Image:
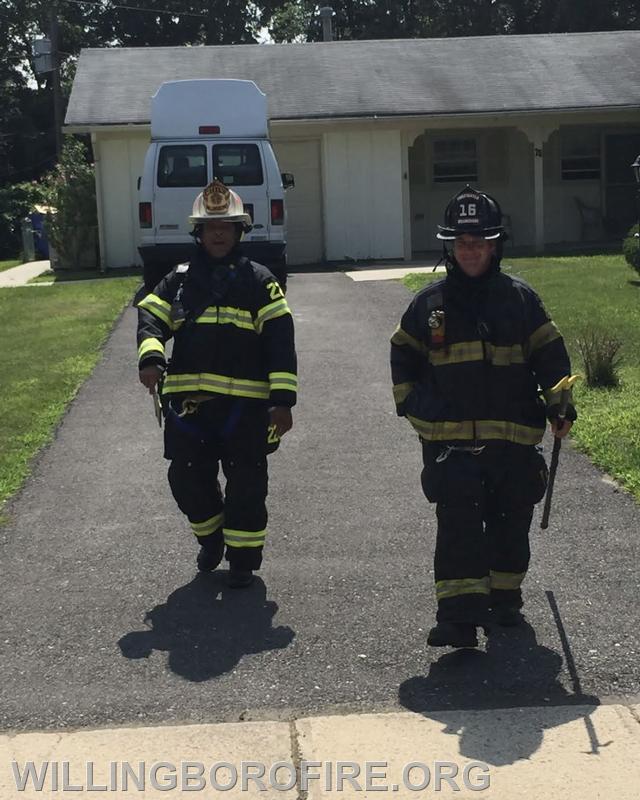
[
  {"x": 229, "y": 386},
  {"x": 474, "y": 364}
]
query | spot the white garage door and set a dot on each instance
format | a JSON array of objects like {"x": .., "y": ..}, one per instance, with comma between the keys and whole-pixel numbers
[
  {"x": 121, "y": 161},
  {"x": 304, "y": 201}
]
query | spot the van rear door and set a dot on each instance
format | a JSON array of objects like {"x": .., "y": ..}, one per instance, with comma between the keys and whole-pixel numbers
[
  {"x": 181, "y": 172},
  {"x": 240, "y": 166}
]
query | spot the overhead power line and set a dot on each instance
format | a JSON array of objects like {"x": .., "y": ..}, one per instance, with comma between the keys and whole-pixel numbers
[{"x": 139, "y": 8}]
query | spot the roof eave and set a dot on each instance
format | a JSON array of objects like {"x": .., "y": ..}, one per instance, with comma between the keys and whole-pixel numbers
[{"x": 358, "y": 118}]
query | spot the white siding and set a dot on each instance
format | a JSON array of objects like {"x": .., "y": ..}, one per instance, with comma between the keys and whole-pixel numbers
[
  {"x": 304, "y": 201},
  {"x": 363, "y": 195},
  {"x": 120, "y": 163}
]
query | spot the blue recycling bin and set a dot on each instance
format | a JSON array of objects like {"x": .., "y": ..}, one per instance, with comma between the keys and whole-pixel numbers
[{"x": 40, "y": 234}]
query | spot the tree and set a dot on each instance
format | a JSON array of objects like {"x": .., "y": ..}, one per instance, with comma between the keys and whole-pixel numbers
[
  {"x": 70, "y": 190},
  {"x": 366, "y": 19}
]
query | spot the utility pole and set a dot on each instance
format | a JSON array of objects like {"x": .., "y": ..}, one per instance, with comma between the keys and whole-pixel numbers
[{"x": 55, "y": 77}]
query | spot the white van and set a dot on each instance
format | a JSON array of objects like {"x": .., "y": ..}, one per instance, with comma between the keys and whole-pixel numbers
[{"x": 201, "y": 130}]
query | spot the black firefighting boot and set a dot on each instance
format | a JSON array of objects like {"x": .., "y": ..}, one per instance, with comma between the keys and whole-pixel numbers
[
  {"x": 240, "y": 578},
  {"x": 506, "y": 607},
  {"x": 453, "y": 634},
  {"x": 211, "y": 551},
  {"x": 507, "y": 616}
]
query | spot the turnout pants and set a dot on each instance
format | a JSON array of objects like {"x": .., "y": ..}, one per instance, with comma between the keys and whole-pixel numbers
[
  {"x": 484, "y": 507},
  {"x": 232, "y": 434}
]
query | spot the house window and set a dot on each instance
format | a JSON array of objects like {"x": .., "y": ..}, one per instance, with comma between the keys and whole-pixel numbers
[
  {"x": 580, "y": 156},
  {"x": 455, "y": 161}
]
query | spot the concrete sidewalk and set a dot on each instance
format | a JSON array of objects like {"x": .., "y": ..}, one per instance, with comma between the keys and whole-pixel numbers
[
  {"x": 22, "y": 274},
  {"x": 391, "y": 273},
  {"x": 558, "y": 753}
]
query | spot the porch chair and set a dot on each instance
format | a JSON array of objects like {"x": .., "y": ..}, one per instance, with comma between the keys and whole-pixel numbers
[{"x": 590, "y": 220}]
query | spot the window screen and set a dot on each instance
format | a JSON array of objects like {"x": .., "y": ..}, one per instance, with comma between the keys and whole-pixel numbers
[
  {"x": 455, "y": 161},
  {"x": 183, "y": 165},
  {"x": 580, "y": 155},
  {"x": 237, "y": 164}
]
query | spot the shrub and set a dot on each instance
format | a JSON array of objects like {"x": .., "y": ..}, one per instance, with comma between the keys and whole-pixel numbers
[
  {"x": 600, "y": 358},
  {"x": 631, "y": 248},
  {"x": 70, "y": 189}
]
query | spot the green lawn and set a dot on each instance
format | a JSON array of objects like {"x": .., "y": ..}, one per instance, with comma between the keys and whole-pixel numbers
[
  {"x": 51, "y": 340},
  {"x": 63, "y": 276},
  {"x": 12, "y": 262},
  {"x": 604, "y": 292}
]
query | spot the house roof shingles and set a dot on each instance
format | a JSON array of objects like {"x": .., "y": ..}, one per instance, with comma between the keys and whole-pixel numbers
[{"x": 398, "y": 77}]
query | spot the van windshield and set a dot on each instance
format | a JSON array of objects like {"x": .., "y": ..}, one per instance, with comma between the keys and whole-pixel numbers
[
  {"x": 237, "y": 164},
  {"x": 182, "y": 165}
]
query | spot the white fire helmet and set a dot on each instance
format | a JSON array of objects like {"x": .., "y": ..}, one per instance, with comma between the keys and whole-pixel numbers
[{"x": 217, "y": 201}]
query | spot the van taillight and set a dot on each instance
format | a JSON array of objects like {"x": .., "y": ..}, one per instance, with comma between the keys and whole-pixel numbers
[
  {"x": 277, "y": 212},
  {"x": 204, "y": 129},
  {"x": 248, "y": 209},
  {"x": 144, "y": 215}
]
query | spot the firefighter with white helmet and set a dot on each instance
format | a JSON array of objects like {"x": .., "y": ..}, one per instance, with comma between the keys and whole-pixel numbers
[
  {"x": 476, "y": 362},
  {"x": 228, "y": 389}
]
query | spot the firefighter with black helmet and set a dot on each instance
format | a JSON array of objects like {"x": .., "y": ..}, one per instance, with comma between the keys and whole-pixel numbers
[
  {"x": 229, "y": 386},
  {"x": 475, "y": 365}
]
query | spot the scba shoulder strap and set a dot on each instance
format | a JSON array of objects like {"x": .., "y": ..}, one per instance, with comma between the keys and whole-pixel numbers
[{"x": 177, "y": 313}]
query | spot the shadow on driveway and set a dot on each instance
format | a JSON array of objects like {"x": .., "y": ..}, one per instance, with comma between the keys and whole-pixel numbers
[
  {"x": 207, "y": 627},
  {"x": 514, "y": 672}
]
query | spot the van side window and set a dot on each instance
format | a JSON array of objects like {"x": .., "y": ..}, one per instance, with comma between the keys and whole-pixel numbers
[
  {"x": 182, "y": 165},
  {"x": 237, "y": 164}
]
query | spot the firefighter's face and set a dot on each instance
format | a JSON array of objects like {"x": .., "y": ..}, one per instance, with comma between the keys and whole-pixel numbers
[
  {"x": 473, "y": 254},
  {"x": 218, "y": 237}
]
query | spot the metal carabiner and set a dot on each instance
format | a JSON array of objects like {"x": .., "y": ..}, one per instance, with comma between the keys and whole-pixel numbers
[
  {"x": 189, "y": 407},
  {"x": 444, "y": 454}
]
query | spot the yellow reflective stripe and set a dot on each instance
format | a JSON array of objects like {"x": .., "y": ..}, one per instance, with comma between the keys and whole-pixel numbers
[
  {"x": 244, "y": 538},
  {"x": 458, "y": 353},
  {"x": 401, "y": 392},
  {"x": 505, "y": 356},
  {"x": 484, "y": 430},
  {"x": 219, "y": 384},
  {"x": 283, "y": 380},
  {"x": 227, "y": 315},
  {"x": 209, "y": 526},
  {"x": 401, "y": 338},
  {"x": 150, "y": 345},
  {"x": 506, "y": 580},
  {"x": 543, "y": 335},
  {"x": 158, "y": 307},
  {"x": 277, "y": 309},
  {"x": 454, "y": 588}
]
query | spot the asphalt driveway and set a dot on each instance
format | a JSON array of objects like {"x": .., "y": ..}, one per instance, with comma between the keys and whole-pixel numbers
[{"x": 104, "y": 619}]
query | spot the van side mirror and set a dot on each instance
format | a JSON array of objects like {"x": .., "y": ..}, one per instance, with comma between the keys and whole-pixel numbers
[
  {"x": 288, "y": 181},
  {"x": 139, "y": 179}
]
